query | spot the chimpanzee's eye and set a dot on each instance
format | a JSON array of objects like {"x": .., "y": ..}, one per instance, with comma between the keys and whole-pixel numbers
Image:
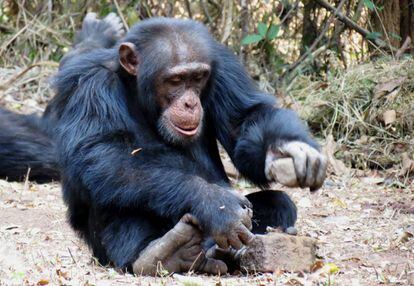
[
  {"x": 175, "y": 80},
  {"x": 198, "y": 77}
]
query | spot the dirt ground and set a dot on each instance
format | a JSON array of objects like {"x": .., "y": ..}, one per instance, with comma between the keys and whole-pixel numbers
[
  {"x": 365, "y": 234},
  {"x": 364, "y": 227}
]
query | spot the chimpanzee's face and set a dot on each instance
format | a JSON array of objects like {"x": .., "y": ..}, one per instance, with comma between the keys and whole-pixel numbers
[
  {"x": 178, "y": 91},
  {"x": 177, "y": 87}
]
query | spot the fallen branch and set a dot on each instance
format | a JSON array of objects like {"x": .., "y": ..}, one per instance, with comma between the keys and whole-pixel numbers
[
  {"x": 351, "y": 24},
  {"x": 405, "y": 46}
]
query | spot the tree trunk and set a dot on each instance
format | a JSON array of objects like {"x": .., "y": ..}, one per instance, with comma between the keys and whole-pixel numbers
[
  {"x": 407, "y": 21},
  {"x": 309, "y": 28},
  {"x": 395, "y": 21}
]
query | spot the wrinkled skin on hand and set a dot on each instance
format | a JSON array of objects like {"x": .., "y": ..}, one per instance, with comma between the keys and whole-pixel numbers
[
  {"x": 309, "y": 164},
  {"x": 228, "y": 221}
]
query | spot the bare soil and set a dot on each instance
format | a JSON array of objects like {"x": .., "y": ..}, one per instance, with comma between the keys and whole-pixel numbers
[
  {"x": 365, "y": 234},
  {"x": 364, "y": 228}
]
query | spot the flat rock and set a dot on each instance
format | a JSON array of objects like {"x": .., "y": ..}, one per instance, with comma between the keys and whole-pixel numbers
[
  {"x": 279, "y": 251},
  {"x": 283, "y": 171}
]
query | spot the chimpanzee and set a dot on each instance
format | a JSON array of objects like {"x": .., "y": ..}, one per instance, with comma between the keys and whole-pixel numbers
[{"x": 134, "y": 127}]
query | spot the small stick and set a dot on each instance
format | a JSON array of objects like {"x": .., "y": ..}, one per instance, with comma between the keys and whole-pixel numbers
[
  {"x": 406, "y": 45},
  {"x": 121, "y": 15}
]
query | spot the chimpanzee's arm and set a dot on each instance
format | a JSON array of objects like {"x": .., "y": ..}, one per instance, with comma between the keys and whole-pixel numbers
[
  {"x": 96, "y": 138},
  {"x": 248, "y": 122}
]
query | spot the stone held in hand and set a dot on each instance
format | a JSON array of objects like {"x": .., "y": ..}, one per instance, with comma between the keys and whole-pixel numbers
[
  {"x": 283, "y": 171},
  {"x": 279, "y": 251}
]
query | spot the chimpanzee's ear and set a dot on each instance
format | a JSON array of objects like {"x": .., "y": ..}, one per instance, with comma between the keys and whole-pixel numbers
[{"x": 128, "y": 58}]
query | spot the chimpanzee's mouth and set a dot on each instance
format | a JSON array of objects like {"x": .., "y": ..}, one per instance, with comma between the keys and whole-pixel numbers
[{"x": 187, "y": 131}]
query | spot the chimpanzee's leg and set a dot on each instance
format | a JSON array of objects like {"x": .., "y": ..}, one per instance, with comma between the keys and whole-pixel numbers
[
  {"x": 272, "y": 208},
  {"x": 144, "y": 245},
  {"x": 179, "y": 250}
]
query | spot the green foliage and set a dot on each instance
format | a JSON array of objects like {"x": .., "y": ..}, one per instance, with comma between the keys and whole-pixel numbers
[
  {"x": 262, "y": 29},
  {"x": 374, "y": 35},
  {"x": 369, "y": 4},
  {"x": 265, "y": 34},
  {"x": 251, "y": 39},
  {"x": 273, "y": 31},
  {"x": 395, "y": 36}
]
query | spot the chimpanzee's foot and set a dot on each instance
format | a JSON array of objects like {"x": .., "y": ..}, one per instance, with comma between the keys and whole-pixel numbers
[
  {"x": 110, "y": 28},
  {"x": 230, "y": 256},
  {"x": 116, "y": 27},
  {"x": 179, "y": 250}
]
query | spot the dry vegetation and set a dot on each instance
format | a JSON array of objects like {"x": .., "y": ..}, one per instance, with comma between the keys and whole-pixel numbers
[
  {"x": 369, "y": 109},
  {"x": 363, "y": 218}
]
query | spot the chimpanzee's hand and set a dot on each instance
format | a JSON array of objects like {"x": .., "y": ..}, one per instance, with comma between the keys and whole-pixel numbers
[
  {"x": 228, "y": 219},
  {"x": 308, "y": 163}
]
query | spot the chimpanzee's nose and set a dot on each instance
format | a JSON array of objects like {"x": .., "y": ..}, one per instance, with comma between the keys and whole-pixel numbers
[{"x": 190, "y": 104}]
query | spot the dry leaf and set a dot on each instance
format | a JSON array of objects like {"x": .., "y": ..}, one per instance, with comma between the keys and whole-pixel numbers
[
  {"x": 43, "y": 282},
  {"x": 335, "y": 166},
  {"x": 317, "y": 265},
  {"x": 407, "y": 165},
  {"x": 389, "y": 117},
  {"x": 387, "y": 87}
]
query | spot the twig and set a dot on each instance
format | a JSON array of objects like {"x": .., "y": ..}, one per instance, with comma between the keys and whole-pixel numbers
[
  {"x": 5, "y": 29},
  {"x": 316, "y": 42},
  {"x": 6, "y": 44},
  {"x": 214, "y": 3},
  {"x": 385, "y": 30},
  {"x": 118, "y": 9},
  {"x": 405, "y": 46},
  {"x": 26, "y": 184},
  {"x": 228, "y": 21},
  {"x": 188, "y": 6},
  {"x": 71, "y": 255},
  {"x": 351, "y": 24},
  {"x": 294, "y": 7},
  {"x": 9, "y": 82},
  {"x": 205, "y": 11},
  {"x": 244, "y": 24}
]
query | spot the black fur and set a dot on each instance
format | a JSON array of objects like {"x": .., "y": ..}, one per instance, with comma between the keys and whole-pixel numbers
[
  {"x": 24, "y": 144},
  {"x": 272, "y": 208},
  {"x": 119, "y": 202}
]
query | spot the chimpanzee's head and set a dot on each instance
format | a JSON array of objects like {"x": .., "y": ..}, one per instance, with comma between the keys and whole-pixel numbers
[{"x": 171, "y": 61}]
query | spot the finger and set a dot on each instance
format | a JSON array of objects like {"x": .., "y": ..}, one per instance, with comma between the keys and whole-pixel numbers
[
  {"x": 90, "y": 16},
  {"x": 235, "y": 242},
  {"x": 312, "y": 167},
  {"x": 246, "y": 217},
  {"x": 320, "y": 177},
  {"x": 245, "y": 236},
  {"x": 190, "y": 219},
  {"x": 299, "y": 161},
  {"x": 192, "y": 251},
  {"x": 245, "y": 203},
  {"x": 222, "y": 242},
  {"x": 213, "y": 266}
]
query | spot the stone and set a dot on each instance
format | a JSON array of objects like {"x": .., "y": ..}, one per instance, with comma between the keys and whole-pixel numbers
[
  {"x": 283, "y": 171},
  {"x": 279, "y": 251}
]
